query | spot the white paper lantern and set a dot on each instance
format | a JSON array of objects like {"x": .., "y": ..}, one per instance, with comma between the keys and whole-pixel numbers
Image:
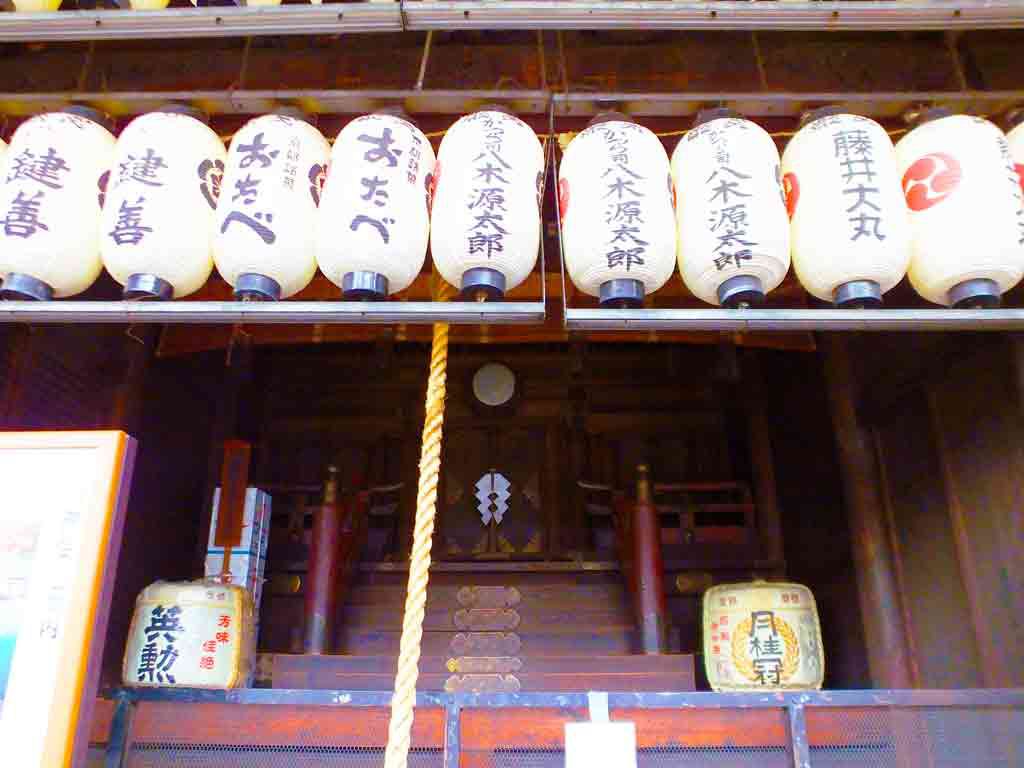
[
  {"x": 36, "y": 6},
  {"x": 731, "y": 212},
  {"x": 374, "y": 219},
  {"x": 50, "y": 204},
  {"x": 615, "y": 202},
  {"x": 964, "y": 198},
  {"x": 3, "y": 155},
  {"x": 485, "y": 222},
  {"x": 850, "y": 229},
  {"x": 159, "y": 219},
  {"x": 266, "y": 217}
]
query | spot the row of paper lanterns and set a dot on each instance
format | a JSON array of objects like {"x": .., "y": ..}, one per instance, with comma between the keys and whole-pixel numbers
[{"x": 163, "y": 204}]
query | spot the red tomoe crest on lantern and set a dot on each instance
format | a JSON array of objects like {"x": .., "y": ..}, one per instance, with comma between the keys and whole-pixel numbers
[
  {"x": 930, "y": 180},
  {"x": 1019, "y": 168},
  {"x": 317, "y": 177},
  {"x": 791, "y": 191},
  {"x": 563, "y": 197}
]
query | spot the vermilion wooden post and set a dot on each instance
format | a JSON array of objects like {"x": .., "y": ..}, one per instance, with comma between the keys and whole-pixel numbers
[
  {"x": 649, "y": 592},
  {"x": 325, "y": 568}
]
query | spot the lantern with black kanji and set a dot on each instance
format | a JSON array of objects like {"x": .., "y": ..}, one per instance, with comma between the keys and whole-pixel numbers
[
  {"x": 850, "y": 231},
  {"x": 374, "y": 222},
  {"x": 266, "y": 218},
  {"x": 964, "y": 198},
  {"x": 615, "y": 203},
  {"x": 485, "y": 221},
  {"x": 159, "y": 216},
  {"x": 50, "y": 202},
  {"x": 731, "y": 212}
]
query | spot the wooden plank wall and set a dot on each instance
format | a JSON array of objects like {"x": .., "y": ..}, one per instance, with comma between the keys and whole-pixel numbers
[{"x": 947, "y": 420}]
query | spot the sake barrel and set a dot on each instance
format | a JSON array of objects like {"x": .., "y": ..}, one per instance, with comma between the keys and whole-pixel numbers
[
  {"x": 615, "y": 203},
  {"x": 850, "y": 230},
  {"x": 190, "y": 635},
  {"x": 373, "y": 225},
  {"x": 266, "y": 219},
  {"x": 965, "y": 204},
  {"x": 485, "y": 220},
  {"x": 50, "y": 204},
  {"x": 159, "y": 219},
  {"x": 762, "y": 636},
  {"x": 731, "y": 213}
]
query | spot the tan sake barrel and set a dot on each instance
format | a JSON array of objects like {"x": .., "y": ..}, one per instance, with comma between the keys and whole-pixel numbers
[
  {"x": 762, "y": 636},
  {"x": 196, "y": 634}
]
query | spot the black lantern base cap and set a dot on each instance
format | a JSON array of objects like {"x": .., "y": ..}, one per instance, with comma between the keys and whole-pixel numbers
[
  {"x": 858, "y": 294},
  {"x": 980, "y": 293},
  {"x": 20, "y": 287},
  {"x": 483, "y": 283},
  {"x": 621, "y": 294},
  {"x": 91, "y": 113},
  {"x": 741, "y": 291},
  {"x": 254, "y": 287},
  {"x": 143, "y": 287},
  {"x": 364, "y": 286},
  {"x": 714, "y": 113}
]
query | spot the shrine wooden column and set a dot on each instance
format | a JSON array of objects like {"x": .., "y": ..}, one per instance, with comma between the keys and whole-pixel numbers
[
  {"x": 325, "y": 570},
  {"x": 880, "y": 601},
  {"x": 769, "y": 522},
  {"x": 648, "y": 569}
]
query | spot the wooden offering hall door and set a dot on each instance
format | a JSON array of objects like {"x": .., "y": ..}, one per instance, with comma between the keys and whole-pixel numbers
[{"x": 491, "y": 494}]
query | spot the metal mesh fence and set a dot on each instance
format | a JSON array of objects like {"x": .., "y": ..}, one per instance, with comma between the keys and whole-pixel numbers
[
  {"x": 929, "y": 737},
  {"x": 661, "y": 757},
  {"x": 170, "y": 755}
]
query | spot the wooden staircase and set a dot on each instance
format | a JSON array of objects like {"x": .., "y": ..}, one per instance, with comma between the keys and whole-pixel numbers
[{"x": 492, "y": 628}]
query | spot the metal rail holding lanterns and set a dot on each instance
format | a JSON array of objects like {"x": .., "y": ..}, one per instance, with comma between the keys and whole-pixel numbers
[{"x": 428, "y": 15}]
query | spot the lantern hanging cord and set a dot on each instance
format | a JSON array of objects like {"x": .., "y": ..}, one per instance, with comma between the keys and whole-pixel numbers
[{"x": 404, "y": 700}]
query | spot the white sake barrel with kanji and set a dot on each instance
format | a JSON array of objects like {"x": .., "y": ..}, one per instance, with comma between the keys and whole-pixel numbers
[
  {"x": 50, "y": 205},
  {"x": 733, "y": 229},
  {"x": 485, "y": 220},
  {"x": 374, "y": 220},
  {"x": 159, "y": 218},
  {"x": 850, "y": 229},
  {"x": 964, "y": 197},
  {"x": 197, "y": 634},
  {"x": 266, "y": 218},
  {"x": 618, "y": 219},
  {"x": 762, "y": 636}
]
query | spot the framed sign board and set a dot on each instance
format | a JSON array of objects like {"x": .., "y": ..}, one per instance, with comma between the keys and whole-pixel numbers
[{"x": 62, "y": 500}]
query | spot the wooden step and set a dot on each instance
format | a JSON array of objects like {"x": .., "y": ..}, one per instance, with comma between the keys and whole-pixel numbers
[
  {"x": 364, "y": 641},
  {"x": 670, "y": 672}
]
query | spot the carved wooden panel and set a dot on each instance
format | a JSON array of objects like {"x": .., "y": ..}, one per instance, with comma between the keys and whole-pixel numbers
[
  {"x": 482, "y": 684},
  {"x": 488, "y": 597},
  {"x": 485, "y": 644},
  {"x": 487, "y": 619}
]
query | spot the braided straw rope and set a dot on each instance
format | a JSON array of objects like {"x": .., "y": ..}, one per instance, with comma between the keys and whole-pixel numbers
[{"x": 404, "y": 700}]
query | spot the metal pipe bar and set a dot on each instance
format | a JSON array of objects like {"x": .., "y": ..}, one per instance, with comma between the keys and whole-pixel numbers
[
  {"x": 200, "y": 22},
  {"x": 528, "y": 102},
  {"x": 884, "y": 15},
  {"x": 800, "y": 750},
  {"x": 726, "y": 14},
  {"x": 752, "y": 320},
  {"x": 228, "y": 312},
  {"x": 980, "y": 697}
]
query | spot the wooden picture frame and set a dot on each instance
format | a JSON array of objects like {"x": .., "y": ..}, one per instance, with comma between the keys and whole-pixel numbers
[{"x": 62, "y": 504}]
